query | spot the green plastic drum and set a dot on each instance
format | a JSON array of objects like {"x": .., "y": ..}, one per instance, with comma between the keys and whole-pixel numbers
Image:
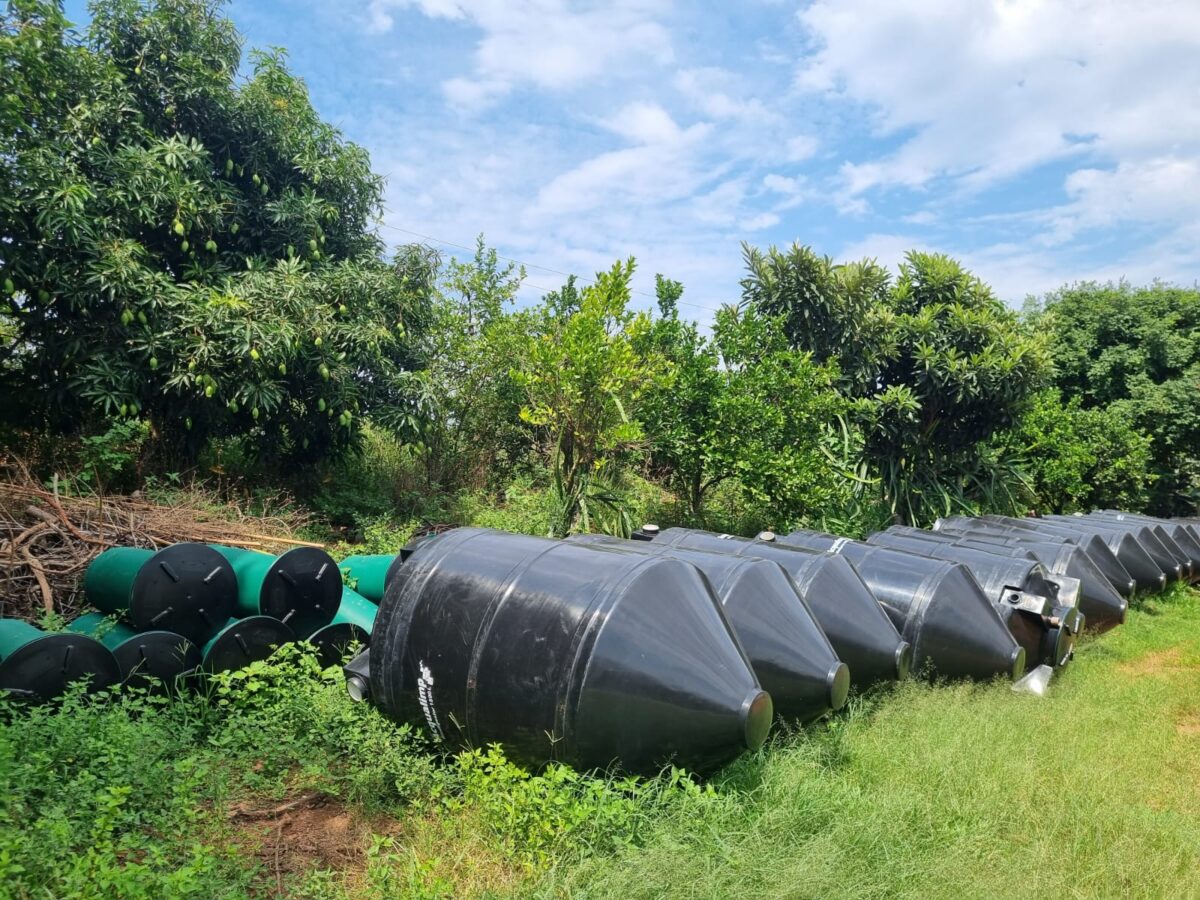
[
  {"x": 189, "y": 589},
  {"x": 148, "y": 659},
  {"x": 369, "y": 575},
  {"x": 38, "y": 666},
  {"x": 243, "y": 641},
  {"x": 302, "y": 588},
  {"x": 356, "y": 609},
  {"x": 352, "y": 625}
]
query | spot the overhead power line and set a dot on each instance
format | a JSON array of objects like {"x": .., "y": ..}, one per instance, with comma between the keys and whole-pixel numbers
[{"x": 529, "y": 265}]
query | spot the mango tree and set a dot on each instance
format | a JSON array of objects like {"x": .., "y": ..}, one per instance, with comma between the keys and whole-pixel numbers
[
  {"x": 584, "y": 378},
  {"x": 184, "y": 244}
]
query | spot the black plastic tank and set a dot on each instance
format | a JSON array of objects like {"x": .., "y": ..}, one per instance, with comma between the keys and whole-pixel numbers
[
  {"x": 36, "y": 666},
  {"x": 1169, "y": 558},
  {"x": 937, "y": 605},
  {"x": 1093, "y": 546},
  {"x": 560, "y": 651},
  {"x": 861, "y": 633},
  {"x": 152, "y": 660},
  {"x": 187, "y": 588},
  {"x": 243, "y": 641},
  {"x": 1101, "y": 605},
  {"x": 1033, "y": 603},
  {"x": 1146, "y": 573},
  {"x": 790, "y": 654},
  {"x": 301, "y": 588},
  {"x": 1181, "y": 536}
]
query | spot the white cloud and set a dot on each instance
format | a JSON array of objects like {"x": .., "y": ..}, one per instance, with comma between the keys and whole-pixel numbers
[
  {"x": 653, "y": 173},
  {"x": 719, "y": 94},
  {"x": 801, "y": 147},
  {"x": 644, "y": 123},
  {"x": 972, "y": 95},
  {"x": 992, "y": 89},
  {"x": 759, "y": 222},
  {"x": 549, "y": 44}
]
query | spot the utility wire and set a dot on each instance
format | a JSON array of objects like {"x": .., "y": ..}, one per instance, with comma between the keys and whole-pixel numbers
[{"x": 529, "y": 265}]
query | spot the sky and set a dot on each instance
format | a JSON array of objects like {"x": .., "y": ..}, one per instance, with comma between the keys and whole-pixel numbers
[{"x": 1039, "y": 142}]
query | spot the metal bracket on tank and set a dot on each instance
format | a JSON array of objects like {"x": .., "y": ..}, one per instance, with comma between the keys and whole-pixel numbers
[
  {"x": 1068, "y": 589},
  {"x": 1031, "y": 603}
]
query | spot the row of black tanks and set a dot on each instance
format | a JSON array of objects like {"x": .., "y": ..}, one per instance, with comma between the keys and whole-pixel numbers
[{"x": 684, "y": 646}]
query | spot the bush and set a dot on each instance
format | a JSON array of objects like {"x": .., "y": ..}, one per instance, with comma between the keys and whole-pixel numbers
[{"x": 1081, "y": 459}]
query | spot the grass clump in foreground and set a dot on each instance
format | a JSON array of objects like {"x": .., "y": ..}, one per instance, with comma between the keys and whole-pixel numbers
[{"x": 272, "y": 783}]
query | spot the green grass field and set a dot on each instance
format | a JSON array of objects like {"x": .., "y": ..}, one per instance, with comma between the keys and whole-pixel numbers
[
  {"x": 960, "y": 791},
  {"x": 273, "y": 784}
]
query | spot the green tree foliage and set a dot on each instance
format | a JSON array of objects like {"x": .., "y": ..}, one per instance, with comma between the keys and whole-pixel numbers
[
  {"x": 933, "y": 362},
  {"x": 740, "y": 407},
  {"x": 471, "y": 432},
  {"x": 583, "y": 379},
  {"x": 1137, "y": 350},
  {"x": 184, "y": 244},
  {"x": 1080, "y": 459}
]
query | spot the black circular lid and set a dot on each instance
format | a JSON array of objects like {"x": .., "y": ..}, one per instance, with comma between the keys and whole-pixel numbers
[
  {"x": 245, "y": 641},
  {"x": 303, "y": 589},
  {"x": 189, "y": 589},
  {"x": 838, "y": 681},
  {"x": 156, "y": 659},
  {"x": 1018, "y": 663},
  {"x": 332, "y": 641},
  {"x": 757, "y": 715},
  {"x": 42, "y": 669}
]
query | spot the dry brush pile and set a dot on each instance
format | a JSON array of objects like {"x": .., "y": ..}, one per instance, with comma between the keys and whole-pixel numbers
[{"x": 50, "y": 532}]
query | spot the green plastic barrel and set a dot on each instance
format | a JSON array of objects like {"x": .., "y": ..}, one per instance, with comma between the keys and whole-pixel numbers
[
  {"x": 38, "y": 666},
  {"x": 352, "y": 625},
  {"x": 302, "y": 588},
  {"x": 356, "y": 609},
  {"x": 187, "y": 588},
  {"x": 147, "y": 659},
  {"x": 243, "y": 641},
  {"x": 369, "y": 575}
]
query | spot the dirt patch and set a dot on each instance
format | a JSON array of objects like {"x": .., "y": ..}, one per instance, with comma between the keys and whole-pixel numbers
[
  {"x": 305, "y": 833},
  {"x": 1162, "y": 662},
  {"x": 439, "y": 854},
  {"x": 1188, "y": 725}
]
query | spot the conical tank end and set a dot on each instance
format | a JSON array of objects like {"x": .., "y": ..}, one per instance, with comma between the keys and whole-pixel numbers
[
  {"x": 1145, "y": 572},
  {"x": 1098, "y": 599},
  {"x": 757, "y": 715},
  {"x": 43, "y": 668},
  {"x": 1017, "y": 668},
  {"x": 786, "y": 647},
  {"x": 838, "y": 681},
  {"x": 666, "y": 680},
  {"x": 961, "y": 635},
  {"x": 904, "y": 660},
  {"x": 861, "y": 633}
]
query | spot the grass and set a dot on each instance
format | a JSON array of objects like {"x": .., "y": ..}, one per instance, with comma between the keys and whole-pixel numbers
[
  {"x": 962, "y": 791},
  {"x": 271, "y": 783}
]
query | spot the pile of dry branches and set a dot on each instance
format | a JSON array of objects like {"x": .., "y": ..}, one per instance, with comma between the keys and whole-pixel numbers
[{"x": 48, "y": 535}]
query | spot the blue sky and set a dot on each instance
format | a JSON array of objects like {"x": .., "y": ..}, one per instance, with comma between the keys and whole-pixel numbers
[{"x": 1040, "y": 142}]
